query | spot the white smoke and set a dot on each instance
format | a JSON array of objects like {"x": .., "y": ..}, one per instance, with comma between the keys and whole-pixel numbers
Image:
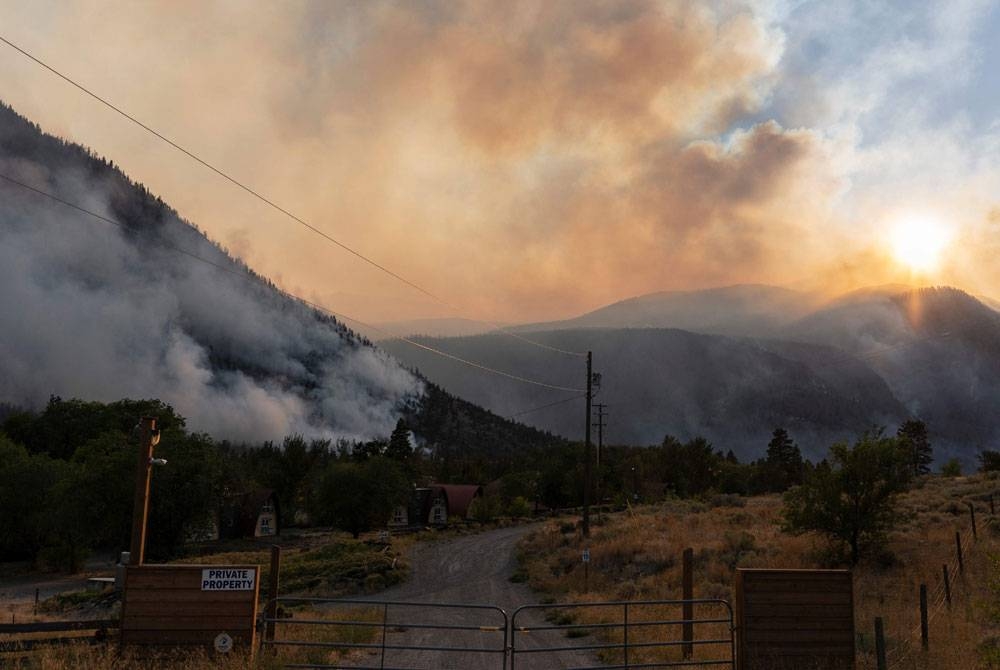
[{"x": 94, "y": 311}]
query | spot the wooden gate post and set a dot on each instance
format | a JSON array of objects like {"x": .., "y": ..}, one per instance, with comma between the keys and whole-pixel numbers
[
  {"x": 958, "y": 550},
  {"x": 688, "y": 607},
  {"x": 272, "y": 592},
  {"x": 924, "y": 642},
  {"x": 880, "y": 645}
]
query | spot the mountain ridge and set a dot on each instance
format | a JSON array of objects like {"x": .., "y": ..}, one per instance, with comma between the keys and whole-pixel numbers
[{"x": 106, "y": 312}]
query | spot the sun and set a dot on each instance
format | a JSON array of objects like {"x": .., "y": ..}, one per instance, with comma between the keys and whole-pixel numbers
[{"x": 919, "y": 242}]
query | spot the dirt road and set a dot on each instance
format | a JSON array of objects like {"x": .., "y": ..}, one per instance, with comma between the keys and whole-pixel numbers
[
  {"x": 17, "y": 594},
  {"x": 473, "y": 569}
]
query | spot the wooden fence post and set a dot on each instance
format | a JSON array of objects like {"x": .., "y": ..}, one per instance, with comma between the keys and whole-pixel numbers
[
  {"x": 947, "y": 583},
  {"x": 958, "y": 550},
  {"x": 972, "y": 513},
  {"x": 993, "y": 510},
  {"x": 688, "y": 606},
  {"x": 272, "y": 592},
  {"x": 880, "y": 645},
  {"x": 924, "y": 642}
]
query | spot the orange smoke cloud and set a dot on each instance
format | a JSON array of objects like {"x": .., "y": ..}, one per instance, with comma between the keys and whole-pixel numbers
[{"x": 526, "y": 160}]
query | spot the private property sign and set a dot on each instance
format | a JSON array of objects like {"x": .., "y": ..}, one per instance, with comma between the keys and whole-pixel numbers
[
  {"x": 228, "y": 579},
  {"x": 211, "y": 606}
]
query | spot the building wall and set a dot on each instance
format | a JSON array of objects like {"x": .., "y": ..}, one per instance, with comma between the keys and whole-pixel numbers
[{"x": 439, "y": 511}]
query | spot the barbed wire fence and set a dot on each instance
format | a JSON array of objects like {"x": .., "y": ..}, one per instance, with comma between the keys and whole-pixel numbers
[{"x": 940, "y": 599}]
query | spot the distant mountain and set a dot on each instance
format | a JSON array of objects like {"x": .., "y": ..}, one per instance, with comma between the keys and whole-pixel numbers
[
  {"x": 101, "y": 312},
  {"x": 660, "y": 381},
  {"x": 872, "y": 357},
  {"x": 937, "y": 348},
  {"x": 741, "y": 310}
]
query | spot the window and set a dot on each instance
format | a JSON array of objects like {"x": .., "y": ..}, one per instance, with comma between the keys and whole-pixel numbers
[
  {"x": 265, "y": 526},
  {"x": 399, "y": 515}
]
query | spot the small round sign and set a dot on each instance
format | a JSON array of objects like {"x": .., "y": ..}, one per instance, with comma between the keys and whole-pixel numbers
[{"x": 223, "y": 643}]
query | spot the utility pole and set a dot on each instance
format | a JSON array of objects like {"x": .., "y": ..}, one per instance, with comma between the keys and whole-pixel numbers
[
  {"x": 591, "y": 379},
  {"x": 149, "y": 437},
  {"x": 601, "y": 414}
]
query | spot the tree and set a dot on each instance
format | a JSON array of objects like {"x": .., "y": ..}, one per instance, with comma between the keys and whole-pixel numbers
[
  {"x": 26, "y": 485},
  {"x": 359, "y": 496},
  {"x": 989, "y": 461},
  {"x": 399, "y": 448},
  {"x": 913, "y": 436},
  {"x": 952, "y": 468},
  {"x": 783, "y": 466},
  {"x": 185, "y": 492},
  {"x": 689, "y": 468},
  {"x": 372, "y": 449},
  {"x": 851, "y": 496}
]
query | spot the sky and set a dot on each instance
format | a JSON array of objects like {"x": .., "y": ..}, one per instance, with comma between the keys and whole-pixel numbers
[{"x": 529, "y": 161}]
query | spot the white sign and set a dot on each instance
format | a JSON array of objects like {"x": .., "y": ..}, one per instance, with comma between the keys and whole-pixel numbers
[
  {"x": 228, "y": 579},
  {"x": 223, "y": 643},
  {"x": 586, "y": 555}
]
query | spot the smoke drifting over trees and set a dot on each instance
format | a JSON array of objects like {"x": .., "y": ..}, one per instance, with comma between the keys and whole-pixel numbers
[{"x": 98, "y": 311}]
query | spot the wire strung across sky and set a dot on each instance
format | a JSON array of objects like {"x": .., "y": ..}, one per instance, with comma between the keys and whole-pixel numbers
[
  {"x": 270, "y": 203},
  {"x": 551, "y": 404},
  {"x": 249, "y": 277}
]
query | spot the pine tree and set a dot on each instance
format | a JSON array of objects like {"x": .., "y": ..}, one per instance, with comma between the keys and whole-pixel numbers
[
  {"x": 399, "y": 448},
  {"x": 784, "y": 466},
  {"x": 913, "y": 436}
]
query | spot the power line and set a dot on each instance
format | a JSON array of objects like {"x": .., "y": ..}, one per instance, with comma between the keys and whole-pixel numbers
[
  {"x": 551, "y": 404},
  {"x": 314, "y": 305},
  {"x": 272, "y": 204}
]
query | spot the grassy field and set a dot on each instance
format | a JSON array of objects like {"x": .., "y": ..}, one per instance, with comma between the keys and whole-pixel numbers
[{"x": 637, "y": 555}]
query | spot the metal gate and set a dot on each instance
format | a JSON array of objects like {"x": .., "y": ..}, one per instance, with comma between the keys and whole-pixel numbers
[
  {"x": 626, "y": 634},
  {"x": 389, "y": 635},
  {"x": 368, "y": 634}
]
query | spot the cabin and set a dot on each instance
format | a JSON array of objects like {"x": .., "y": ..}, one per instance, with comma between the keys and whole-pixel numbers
[
  {"x": 434, "y": 505},
  {"x": 253, "y": 514}
]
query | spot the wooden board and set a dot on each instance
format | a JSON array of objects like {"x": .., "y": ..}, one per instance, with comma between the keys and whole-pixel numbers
[
  {"x": 795, "y": 619},
  {"x": 164, "y": 605}
]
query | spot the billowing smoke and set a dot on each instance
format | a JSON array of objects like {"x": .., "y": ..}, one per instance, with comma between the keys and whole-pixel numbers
[{"x": 101, "y": 312}]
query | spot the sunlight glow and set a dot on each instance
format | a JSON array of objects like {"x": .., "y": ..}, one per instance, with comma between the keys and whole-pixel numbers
[{"x": 918, "y": 242}]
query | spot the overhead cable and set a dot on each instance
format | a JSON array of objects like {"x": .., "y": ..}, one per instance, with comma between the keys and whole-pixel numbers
[{"x": 271, "y": 203}]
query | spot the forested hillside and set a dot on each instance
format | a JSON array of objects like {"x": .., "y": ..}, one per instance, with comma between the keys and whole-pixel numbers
[
  {"x": 660, "y": 381},
  {"x": 101, "y": 311}
]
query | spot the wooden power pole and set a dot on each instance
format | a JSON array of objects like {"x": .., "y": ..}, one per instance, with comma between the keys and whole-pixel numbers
[
  {"x": 601, "y": 414},
  {"x": 586, "y": 452},
  {"x": 149, "y": 436}
]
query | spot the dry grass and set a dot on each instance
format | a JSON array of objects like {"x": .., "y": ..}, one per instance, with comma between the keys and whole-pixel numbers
[
  {"x": 637, "y": 556},
  {"x": 321, "y": 637}
]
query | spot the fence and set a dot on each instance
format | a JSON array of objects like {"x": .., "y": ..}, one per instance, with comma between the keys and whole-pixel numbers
[
  {"x": 933, "y": 602},
  {"x": 632, "y": 634},
  {"x": 62, "y": 631},
  {"x": 368, "y": 634}
]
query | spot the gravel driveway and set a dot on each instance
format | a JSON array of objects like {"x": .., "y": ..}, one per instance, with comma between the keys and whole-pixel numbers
[{"x": 472, "y": 570}]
